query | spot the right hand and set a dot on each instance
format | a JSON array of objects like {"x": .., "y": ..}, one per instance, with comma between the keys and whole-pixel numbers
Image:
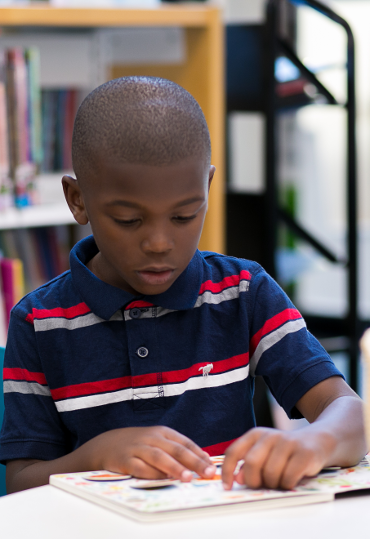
[{"x": 150, "y": 453}]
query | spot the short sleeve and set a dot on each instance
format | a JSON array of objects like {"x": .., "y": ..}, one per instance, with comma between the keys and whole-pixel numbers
[
  {"x": 31, "y": 426},
  {"x": 282, "y": 350}
]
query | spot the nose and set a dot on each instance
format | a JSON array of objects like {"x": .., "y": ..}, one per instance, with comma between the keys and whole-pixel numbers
[{"x": 157, "y": 240}]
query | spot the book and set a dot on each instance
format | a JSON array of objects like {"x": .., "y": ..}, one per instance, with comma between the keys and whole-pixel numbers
[
  {"x": 21, "y": 167},
  {"x": 5, "y": 181},
  {"x": 59, "y": 109},
  {"x": 43, "y": 251},
  {"x": 12, "y": 283},
  {"x": 147, "y": 500},
  {"x": 32, "y": 57}
]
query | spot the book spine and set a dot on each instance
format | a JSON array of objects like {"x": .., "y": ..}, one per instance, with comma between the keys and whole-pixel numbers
[
  {"x": 12, "y": 281},
  {"x": 5, "y": 182},
  {"x": 68, "y": 130},
  {"x": 34, "y": 104},
  {"x": 49, "y": 110},
  {"x": 22, "y": 171}
]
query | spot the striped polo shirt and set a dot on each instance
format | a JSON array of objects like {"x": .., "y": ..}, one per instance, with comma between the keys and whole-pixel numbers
[{"x": 84, "y": 357}]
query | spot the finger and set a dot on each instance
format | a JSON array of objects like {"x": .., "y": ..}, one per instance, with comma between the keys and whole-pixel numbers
[
  {"x": 265, "y": 461},
  {"x": 255, "y": 460},
  {"x": 276, "y": 462},
  {"x": 300, "y": 465},
  {"x": 161, "y": 458},
  {"x": 184, "y": 455},
  {"x": 235, "y": 452},
  {"x": 189, "y": 444},
  {"x": 141, "y": 469}
]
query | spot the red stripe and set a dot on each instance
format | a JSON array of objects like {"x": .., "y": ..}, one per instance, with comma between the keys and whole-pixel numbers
[
  {"x": 24, "y": 375},
  {"x": 59, "y": 312},
  {"x": 145, "y": 380},
  {"x": 272, "y": 324},
  {"x": 139, "y": 303},
  {"x": 91, "y": 388},
  {"x": 218, "y": 449},
  {"x": 172, "y": 377},
  {"x": 232, "y": 280}
]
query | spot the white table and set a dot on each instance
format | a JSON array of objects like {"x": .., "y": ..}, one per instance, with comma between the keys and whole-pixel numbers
[{"x": 49, "y": 513}]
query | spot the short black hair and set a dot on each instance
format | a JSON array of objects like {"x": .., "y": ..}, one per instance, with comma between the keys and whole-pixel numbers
[{"x": 141, "y": 120}]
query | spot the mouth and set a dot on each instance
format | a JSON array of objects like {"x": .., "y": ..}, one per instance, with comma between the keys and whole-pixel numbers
[{"x": 156, "y": 276}]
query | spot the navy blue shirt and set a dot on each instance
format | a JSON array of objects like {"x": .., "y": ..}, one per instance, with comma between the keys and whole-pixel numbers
[{"x": 84, "y": 357}]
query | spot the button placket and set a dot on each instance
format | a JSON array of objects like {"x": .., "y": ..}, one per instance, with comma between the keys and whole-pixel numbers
[{"x": 140, "y": 326}]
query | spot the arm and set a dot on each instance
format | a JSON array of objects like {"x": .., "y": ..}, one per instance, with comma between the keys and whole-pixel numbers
[
  {"x": 279, "y": 459},
  {"x": 147, "y": 452}
]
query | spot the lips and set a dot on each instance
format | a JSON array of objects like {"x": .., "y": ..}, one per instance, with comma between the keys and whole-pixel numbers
[{"x": 156, "y": 276}]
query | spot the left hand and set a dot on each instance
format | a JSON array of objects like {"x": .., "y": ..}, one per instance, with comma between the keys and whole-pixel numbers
[{"x": 276, "y": 459}]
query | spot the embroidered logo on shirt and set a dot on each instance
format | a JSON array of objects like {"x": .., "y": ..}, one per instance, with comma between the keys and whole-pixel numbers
[{"x": 206, "y": 369}]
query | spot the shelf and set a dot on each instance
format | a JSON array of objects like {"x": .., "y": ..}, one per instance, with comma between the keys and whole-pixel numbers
[
  {"x": 34, "y": 216},
  {"x": 190, "y": 15}
]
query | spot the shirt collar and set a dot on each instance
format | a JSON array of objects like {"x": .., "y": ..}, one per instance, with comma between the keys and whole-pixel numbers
[{"x": 105, "y": 300}]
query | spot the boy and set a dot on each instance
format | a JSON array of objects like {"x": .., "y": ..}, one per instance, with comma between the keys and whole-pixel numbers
[{"x": 144, "y": 353}]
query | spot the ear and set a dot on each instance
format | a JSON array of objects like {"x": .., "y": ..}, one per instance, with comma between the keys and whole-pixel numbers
[
  {"x": 74, "y": 198},
  {"x": 212, "y": 171}
]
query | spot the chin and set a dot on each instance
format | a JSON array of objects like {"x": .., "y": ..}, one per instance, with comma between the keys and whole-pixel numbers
[{"x": 154, "y": 290}]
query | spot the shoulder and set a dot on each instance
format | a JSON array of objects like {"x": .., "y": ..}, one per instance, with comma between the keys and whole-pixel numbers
[
  {"x": 221, "y": 266},
  {"x": 58, "y": 292}
]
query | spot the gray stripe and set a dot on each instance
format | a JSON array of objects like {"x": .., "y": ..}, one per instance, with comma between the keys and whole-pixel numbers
[
  {"x": 76, "y": 323},
  {"x": 225, "y": 295},
  {"x": 151, "y": 312},
  {"x": 267, "y": 342},
  {"x": 26, "y": 388},
  {"x": 206, "y": 297}
]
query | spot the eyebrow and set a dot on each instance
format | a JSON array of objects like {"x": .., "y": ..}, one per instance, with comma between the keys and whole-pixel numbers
[
  {"x": 190, "y": 201},
  {"x": 125, "y": 203},
  {"x": 128, "y": 204}
]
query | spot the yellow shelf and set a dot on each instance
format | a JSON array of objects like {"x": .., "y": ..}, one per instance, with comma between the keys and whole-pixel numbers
[
  {"x": 188, "y": 16},
  {"x": 202, "y": 73}
]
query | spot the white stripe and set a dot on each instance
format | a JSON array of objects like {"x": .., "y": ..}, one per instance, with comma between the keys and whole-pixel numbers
[
  {"x": 203, "y": 382},
  {"x": 170, "y": 390},
  {"x": 84, "y": 321},
  {"x": 272, "y": 338},
  {"x": 146, "y": 394},
  {"x": 226, "y": 295},
  {"x": 26, "y": 388},
  {"x": 80, "y": 403}
]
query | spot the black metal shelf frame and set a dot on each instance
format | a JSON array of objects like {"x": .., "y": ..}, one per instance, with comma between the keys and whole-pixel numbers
[{"x": 348, "y": 328}]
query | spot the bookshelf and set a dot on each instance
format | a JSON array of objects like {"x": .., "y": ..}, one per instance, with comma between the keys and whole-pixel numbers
[{"x": 202, "y": 74}]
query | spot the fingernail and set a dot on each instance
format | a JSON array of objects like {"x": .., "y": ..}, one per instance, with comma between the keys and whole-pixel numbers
[
  {"x": 186, "y": 475},
  {"x": 226, "y": 486},
  {"x": 210, "y": 471}
]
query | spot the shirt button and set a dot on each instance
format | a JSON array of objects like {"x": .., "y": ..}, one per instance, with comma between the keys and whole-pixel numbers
[
  {"x": 142, "y": 351},
  {"x": 135, "y": 313}
]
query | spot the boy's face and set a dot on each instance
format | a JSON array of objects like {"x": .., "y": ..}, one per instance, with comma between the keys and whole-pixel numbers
[{"x": 146, "y": 220}]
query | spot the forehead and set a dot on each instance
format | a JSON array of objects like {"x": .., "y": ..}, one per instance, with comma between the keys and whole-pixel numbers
[{"x": 112, "y": 178}]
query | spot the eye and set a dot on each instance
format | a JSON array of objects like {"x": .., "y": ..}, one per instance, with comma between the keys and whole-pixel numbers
[
  {"x": 182, "y": 219},
  {"x": 128, "y": 222}
]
